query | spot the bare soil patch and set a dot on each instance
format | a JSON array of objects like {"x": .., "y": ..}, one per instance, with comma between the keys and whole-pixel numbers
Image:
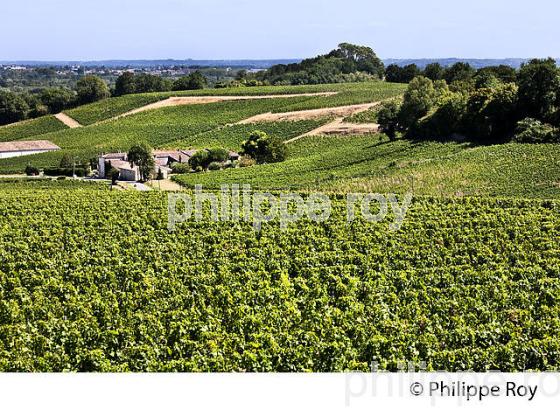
[{"x": 68, "y": 121}]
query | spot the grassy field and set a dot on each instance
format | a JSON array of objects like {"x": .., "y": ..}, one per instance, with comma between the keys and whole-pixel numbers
[
  {"x": 373, "y": 164},
  {"x": 35, "y": 128},
  {"x": 465, "y": 284}
]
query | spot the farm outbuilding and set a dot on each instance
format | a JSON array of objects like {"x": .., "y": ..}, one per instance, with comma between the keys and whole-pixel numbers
[{"x": 20, "y": 148}]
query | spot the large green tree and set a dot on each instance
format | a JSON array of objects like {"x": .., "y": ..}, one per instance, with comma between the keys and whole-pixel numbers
[
  {"x": 388, "y": 118},
  {"x": 142, "y": 156},
  {"x": 91, "y": 88},
  {"x": 194, "y": 81},
  {"x": 57, "y": 99},
  {"x": 125, "y": 84},
  {"x": 434, "y": 71},
  {"x": 13, "y": 108},
  {"x": 459, "y": 72},
  {"x": 420, "y": 97},
  {"x": 539, "y": 89},
  {"x": 264, "y": 148}
]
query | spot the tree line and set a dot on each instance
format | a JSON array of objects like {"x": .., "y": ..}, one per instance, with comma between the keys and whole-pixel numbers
[
  {"x": 16, "y": 107},
  {"x": 491, "y": 105},
  {"x": 347, "y": 63},
  {"x": 460, "y": 71}
]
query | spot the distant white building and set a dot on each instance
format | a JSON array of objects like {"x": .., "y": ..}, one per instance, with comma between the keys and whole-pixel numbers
[{"x": 21, "y": 148}]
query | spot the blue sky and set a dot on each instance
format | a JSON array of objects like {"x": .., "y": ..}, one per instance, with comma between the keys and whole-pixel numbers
[{"x": 228, "y": 29}]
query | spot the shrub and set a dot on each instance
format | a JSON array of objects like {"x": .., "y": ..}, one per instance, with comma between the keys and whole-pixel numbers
[
  {"x": 214, "y": 166},
  {"x": 30, "y": 170},
  {"x": 200, "y": 160},
  {"x": 66, "y": 161},
  {"x": 264, "y": 149},
  {"x": 246, "y": 161},
  {"x": 180, "y": 168},
  {"x": 69, "y": 172},
  {"x": 218, "y": 155},
  {"x": 388, "y": 118},
  {"x": 531, "y": 130}
]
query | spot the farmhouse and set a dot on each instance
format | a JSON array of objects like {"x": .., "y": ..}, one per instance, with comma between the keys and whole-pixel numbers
[
  {"x": 163, "y": 161},
  {"x": 21, "y": 148}
]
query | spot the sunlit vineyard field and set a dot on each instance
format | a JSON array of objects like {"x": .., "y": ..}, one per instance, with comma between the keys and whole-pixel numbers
[
  {"x": 373, "y": 164},
  {"x": 35, "y": 184},
  {"x": 466, "y": 284},
  {"x": 352, "y": 93},
  {"x": 177, "y": 127},
  {"x": 30, "y": 128},
  {"x": 168, "y": 127}
]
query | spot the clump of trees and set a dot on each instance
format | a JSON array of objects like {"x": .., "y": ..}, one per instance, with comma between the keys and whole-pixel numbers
[
  {"x": 202, "y": 159},
  {"x": 457, "y": 73},
  {"x": 91, "y": 89},
  {"x": 16, "y": 107},
  {"x": 13, "y": 108},
  {"x": 194, "y": 81},
  {"x": 490, "y": 106},
  {"x": 264, "y": 148},
  {"x": 347, "y": 63},
  {"x": 130, "y": 83}
]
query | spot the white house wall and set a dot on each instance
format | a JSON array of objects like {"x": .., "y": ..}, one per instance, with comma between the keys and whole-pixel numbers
[{"x": 13, "y": 154}]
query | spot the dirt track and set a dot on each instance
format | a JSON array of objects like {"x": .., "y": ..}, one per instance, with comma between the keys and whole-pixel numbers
[
  {"x": 176, "y": 101},
  {"x": 66, "y": 120}
]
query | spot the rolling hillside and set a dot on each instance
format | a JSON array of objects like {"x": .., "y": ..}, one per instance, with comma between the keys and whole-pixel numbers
[
  {"x": 373, "y": 164},
  {"x": 178, "y": 126},
  {"x": 470, "y": 281}
]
